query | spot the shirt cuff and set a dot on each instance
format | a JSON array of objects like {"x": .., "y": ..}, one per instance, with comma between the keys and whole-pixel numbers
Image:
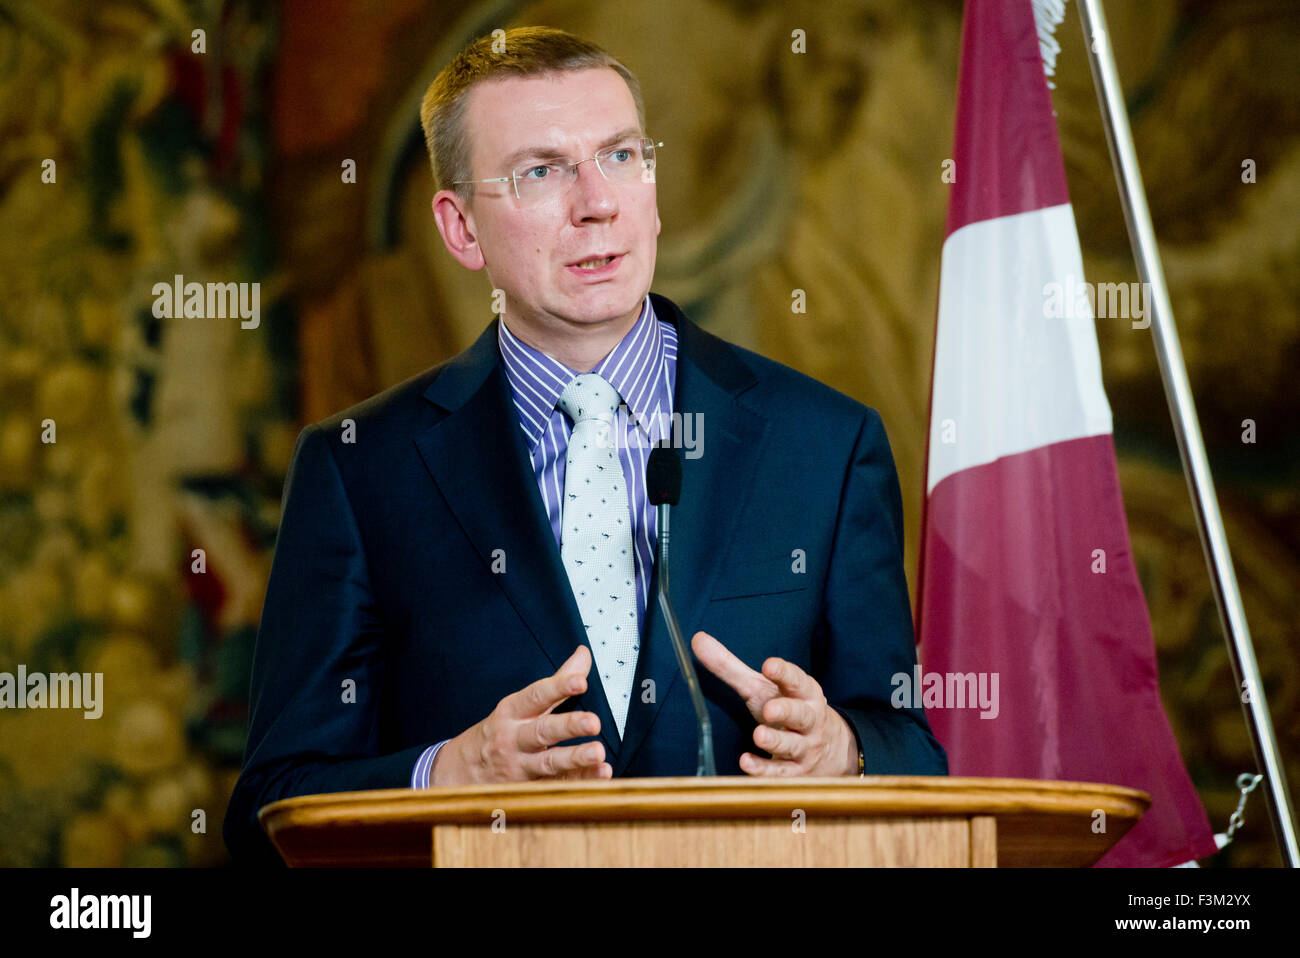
[{"x": 424, "y": 765}]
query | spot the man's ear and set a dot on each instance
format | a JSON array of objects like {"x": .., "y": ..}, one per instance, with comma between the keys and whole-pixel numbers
[{"x": 456, "y": 224}]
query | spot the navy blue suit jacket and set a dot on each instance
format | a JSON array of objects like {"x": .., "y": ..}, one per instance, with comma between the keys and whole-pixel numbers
[{"x": 788, "y": 541}]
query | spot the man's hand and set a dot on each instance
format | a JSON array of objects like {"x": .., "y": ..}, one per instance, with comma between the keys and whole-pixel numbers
[
  {"x": 513, "y": 744},
  {"x": 803, "y": 734}
]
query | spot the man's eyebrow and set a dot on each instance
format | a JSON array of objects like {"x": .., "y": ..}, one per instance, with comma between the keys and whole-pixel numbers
[{"x": 550, "y": 153}]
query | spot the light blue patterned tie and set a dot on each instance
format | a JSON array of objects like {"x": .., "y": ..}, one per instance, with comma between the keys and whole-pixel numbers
[{"x": 596, "y": 538}]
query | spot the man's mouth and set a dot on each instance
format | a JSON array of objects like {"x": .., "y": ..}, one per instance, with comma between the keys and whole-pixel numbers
[{"x": 595, "y": 264}]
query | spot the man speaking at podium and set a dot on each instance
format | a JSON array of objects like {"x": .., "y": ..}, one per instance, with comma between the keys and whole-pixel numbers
[{"x": 463, "y": 588}]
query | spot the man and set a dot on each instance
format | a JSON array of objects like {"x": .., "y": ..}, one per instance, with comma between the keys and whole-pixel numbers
[{"x": 458, "y": 552}]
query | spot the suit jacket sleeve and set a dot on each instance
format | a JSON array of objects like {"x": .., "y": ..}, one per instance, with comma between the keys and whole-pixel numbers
[
  {"x": 318, "y": 668},
  {"x": 865, "y": 636}
]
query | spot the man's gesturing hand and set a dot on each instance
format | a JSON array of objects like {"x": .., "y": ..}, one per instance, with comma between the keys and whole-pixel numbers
[
  {"x": 514, "y": 742},
  {"x": 803, "y": 734}
]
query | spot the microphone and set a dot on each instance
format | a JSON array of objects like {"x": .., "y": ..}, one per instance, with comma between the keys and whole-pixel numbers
[{"x": 663, "y": 483}]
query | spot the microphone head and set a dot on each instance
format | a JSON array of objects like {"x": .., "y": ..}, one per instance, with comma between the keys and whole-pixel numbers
[{"x": 663, "y": 476}]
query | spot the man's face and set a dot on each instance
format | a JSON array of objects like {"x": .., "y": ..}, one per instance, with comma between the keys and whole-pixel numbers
[{"x": 531, "y": 251}]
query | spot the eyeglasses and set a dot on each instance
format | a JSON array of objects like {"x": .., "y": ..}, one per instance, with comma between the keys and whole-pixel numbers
[{"x": 627, "y": 162}]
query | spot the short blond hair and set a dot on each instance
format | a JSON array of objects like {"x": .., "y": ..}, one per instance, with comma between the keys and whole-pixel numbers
[{"x": 529, "y": 51}]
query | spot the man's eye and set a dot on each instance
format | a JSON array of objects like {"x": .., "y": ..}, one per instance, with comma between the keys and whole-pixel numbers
[
  {"x": 622, "y": 156},
  {"x": 537, "y": 172}
]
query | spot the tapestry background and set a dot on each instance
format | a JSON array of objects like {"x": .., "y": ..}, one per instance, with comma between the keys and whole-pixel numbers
[{"x": 781, "y": 171}]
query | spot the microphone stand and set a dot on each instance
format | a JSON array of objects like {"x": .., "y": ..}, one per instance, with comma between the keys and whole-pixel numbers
[{"x": 705, "y": 764}]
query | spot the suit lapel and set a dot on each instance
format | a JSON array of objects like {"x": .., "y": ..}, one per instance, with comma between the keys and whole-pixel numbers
[
  {"x": 710, "y": 377},
  {"x": 477, "y": 457}
]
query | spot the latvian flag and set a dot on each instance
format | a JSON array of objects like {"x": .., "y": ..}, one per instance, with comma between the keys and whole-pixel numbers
[{"x": 1026, "y": 569}]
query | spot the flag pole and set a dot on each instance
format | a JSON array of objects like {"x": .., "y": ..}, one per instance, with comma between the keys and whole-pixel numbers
[{"x": 1191, "y": 448}]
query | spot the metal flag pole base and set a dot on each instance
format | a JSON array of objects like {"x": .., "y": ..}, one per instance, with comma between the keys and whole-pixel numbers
[{"x": 1191, "y": 448}]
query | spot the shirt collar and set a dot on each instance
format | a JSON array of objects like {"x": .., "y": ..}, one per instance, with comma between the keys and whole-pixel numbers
[{"x": 631, "y": 367}]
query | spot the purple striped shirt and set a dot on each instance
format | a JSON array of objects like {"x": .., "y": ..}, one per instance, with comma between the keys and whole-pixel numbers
[{"x": 643, "y": 368}]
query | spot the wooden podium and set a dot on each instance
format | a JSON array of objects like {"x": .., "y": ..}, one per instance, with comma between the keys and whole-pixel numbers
[{"x": 926, "y": 821}]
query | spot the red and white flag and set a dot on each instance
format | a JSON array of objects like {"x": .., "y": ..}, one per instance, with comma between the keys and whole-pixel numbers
[{"x": 1027, "y": 577}]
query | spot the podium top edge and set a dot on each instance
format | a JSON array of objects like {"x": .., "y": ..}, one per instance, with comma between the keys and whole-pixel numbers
[{"x": 871, "y": 795}]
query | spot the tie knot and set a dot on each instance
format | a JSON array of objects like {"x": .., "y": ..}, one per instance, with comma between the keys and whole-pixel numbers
[{"x": 589, "y": 397}]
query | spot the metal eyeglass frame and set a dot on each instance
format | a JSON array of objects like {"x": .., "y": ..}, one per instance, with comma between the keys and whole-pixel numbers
[{"x": 513, "y": 178}]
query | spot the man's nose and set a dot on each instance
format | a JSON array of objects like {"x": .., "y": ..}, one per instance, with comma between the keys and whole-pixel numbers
[{"x": 593, "y": 197}]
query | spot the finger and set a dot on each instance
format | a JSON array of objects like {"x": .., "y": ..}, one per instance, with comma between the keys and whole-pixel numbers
[
  {"x": 790, "y": 746},
  {"x": 545, "y": 694},
  {"x": 547, "y": 730},
  {"x": 603, "y": 770},
  {"x": 751, "y": 764},
  {"x": 793, "y": 681},
  {"x": 554, "y": 762},
  {"x": 720, "y": 660},
  {"x": 795, "y": 714}
]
